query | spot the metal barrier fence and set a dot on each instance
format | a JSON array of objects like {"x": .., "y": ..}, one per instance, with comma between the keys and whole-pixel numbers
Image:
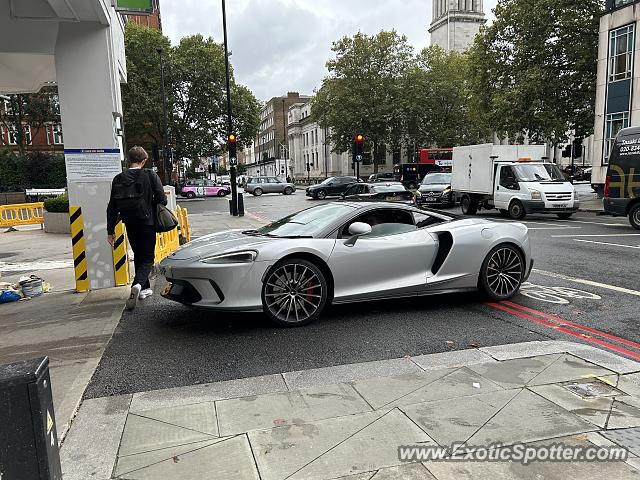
[
  {"x": 22, "y": 214},
  {"x": 169, "y": 242}
]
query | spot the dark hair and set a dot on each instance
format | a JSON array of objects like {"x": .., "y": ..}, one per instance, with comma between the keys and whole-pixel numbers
[{"x": 137, "y": 155}]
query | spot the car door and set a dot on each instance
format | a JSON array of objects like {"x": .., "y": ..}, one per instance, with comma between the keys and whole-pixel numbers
[
  {"x": 393, "y": 263},
  {"x": 504, "y": 187}
]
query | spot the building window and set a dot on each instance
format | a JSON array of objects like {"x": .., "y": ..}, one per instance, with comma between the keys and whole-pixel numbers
[
  {"x": 615, "y": 123},
  {"x": 27, "y": 135},
  {"x": 55, "y": 136},
  {"x": 621, "y": 53},
  {"x": 13, "y": 135}
]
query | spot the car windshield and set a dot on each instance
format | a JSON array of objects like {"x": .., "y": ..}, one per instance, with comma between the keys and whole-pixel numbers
[
  {"x": 437, "y": 179},
  {"x": 307, "y": 223},
  {"x": 538, "y": 172},
  {"x": 388, "y": 188}
]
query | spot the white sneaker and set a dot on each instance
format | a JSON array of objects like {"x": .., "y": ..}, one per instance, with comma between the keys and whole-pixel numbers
[
  {"x": 147, "y": 292},
  {"x": 133, "y": 298}
]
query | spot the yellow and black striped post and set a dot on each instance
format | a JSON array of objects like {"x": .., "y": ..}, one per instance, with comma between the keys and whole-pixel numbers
[
  {"x": 79, "y": 249},
  {"x": 120, "y": 260}
]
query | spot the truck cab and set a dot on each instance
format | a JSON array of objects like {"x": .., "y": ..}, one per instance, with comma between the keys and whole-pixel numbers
[{"x": 514, "y": 179}]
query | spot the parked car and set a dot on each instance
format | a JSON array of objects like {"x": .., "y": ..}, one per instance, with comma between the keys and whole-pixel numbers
[
  {"x": 622, "y": 187},
  {"x": 345, "y": 252},
  {"x": 385, "y": 192},
  {"x": 224, "y": 179},
  {"x": 381, "y": 177},
  {"x": 259, "y": 185},
  {"x": 331, "y": 187},
  {"x": 204, "y": 188},
  {"x": 435, "y": 188}
]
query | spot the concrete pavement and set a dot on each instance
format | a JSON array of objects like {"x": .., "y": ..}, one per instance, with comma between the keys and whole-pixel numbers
[{"x": 348, "y": 421}]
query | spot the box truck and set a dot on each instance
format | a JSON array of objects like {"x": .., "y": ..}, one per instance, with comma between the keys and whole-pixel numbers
[{"x": 514, "y": 179}]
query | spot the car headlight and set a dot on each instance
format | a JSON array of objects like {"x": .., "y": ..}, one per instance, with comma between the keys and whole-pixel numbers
[
  {"x": 535, "y": 195},
  {"x": 446, "y": 191},
  {"x": 245, "y": 256},
  {"x": 418, "y": 193}
]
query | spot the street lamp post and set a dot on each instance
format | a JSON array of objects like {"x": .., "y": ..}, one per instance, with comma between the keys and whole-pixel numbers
[
  {"x": 232, "y": 161},
  {"x": 165, "y": 148}
]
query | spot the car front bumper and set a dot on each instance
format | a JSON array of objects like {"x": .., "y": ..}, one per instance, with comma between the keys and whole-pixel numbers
[{"x": 539, "y": 206}]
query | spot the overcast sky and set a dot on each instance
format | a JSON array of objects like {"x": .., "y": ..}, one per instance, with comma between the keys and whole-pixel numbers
[{"x": 283, "y": 45}]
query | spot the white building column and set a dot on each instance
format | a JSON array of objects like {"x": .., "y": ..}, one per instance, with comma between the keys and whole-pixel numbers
[{"x": 89, "y": 68}]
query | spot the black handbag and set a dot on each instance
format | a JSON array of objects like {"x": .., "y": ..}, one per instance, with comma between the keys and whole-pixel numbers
[{"x": 165, "y": 219}]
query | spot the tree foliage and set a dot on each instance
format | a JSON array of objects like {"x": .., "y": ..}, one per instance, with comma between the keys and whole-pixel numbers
[
  {"x": 33, "y": 170},
  {"x": 533, "y": 70},
  {"x": 195, "y": 89}
]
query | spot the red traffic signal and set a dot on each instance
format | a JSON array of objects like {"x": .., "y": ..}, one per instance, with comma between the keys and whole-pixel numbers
[
  {"x": 359, "y": 138},
  {"x": 359, "y": 145},
  {"x": 232, "y": 138}
]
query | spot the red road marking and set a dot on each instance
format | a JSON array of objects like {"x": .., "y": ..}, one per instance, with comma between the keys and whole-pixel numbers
[{"x": 561, "y": 328}]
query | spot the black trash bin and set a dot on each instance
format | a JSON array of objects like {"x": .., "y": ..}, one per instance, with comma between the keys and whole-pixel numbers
[{"x": 28, "y": 436}]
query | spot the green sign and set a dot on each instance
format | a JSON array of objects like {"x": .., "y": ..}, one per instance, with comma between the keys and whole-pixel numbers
[{"x": 137, "y": 7}]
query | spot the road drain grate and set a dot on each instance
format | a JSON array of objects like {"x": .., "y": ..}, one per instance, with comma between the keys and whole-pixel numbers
[{"x": 592, "y": 389}]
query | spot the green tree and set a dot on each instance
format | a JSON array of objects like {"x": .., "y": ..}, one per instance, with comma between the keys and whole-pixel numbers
[
  {"x": 362, "y": 93},
  {"x": 534, "y": 76}
]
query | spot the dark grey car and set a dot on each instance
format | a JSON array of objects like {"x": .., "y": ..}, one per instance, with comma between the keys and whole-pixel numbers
[
  {"x": 259, "y": 185},
  {"x": 436, "y": 189}
]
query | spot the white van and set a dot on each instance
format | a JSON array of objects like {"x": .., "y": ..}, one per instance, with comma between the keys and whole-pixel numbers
[{"x": 515, "y": 179}]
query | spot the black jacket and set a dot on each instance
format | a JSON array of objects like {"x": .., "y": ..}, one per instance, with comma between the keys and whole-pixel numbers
[{"x": 153, "y": 195}]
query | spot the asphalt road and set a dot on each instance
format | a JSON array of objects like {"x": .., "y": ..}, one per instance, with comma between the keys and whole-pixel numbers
[{"x": 585, "y": 288}]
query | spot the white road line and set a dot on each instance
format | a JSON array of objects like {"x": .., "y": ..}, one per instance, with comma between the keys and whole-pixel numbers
[
  {"x": 555, "y": 228},
  {"x": 606, "y": 243},
  {"x": 599, "y": 235},
  {"x": 587, "y": 282},
  {"x": 621, "y": 224}
]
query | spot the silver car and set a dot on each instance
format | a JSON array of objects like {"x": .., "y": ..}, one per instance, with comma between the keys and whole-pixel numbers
[
  {"x": 345, "y": 252},
  {"x": 259, "y": 185}
]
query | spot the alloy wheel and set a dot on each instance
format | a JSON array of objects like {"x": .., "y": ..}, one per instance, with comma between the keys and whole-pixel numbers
[
  {"x": 294, "y": 293},
  {"x": 504, "y": 272}
]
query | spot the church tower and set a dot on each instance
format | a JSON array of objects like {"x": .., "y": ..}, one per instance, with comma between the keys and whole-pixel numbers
[{"x": 455, "y": 23}]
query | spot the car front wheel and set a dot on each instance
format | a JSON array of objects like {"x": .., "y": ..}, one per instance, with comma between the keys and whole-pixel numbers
[
  {"x": 321, "y": 195},
  {"x": 516, "y": 210},
  {"x": 288, "y": 191},
  {"x": 294, "y": 293},
  {"x": 191, "y": 195},
  {"x": 222, "y": 193},
  {"x": 257, "y": 192},
  {"x": 502, "y": 272},
  {"x": 634, "y": 216}
]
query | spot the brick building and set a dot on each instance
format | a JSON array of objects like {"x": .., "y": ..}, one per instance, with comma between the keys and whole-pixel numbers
[{"x": 152, "y": 21}]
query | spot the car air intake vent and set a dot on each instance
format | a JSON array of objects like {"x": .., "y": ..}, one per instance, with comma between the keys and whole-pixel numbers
[{"x": 445, "y": 240}]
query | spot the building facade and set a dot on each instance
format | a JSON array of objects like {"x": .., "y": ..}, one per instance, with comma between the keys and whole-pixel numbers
[
  {"x": 455, "y": 23},
  {"x": 153, "y": 20},
  {"x": 618, "y": 85}
]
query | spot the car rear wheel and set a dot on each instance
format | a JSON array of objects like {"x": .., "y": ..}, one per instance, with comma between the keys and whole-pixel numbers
[
  {"x": 288, "y": 191},
  {"x": 502, "y": 272},
  {"x": 222, "y": 193},
  {"x": 321, "y": 194},
  {"x": 191, "y": 195},
  {"x": 294, "y": 293},
  {"x": 257, "y": 192},
  {"x": 516, "y": 210},
  {"x": 634, "y": 216}
]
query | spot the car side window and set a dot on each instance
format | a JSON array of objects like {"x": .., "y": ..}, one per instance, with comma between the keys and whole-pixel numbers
[
  {"x": 384, "y": 222},
  {"x": 364, "y": 189},
  {"x": 507, "y": 177},
  {"x": 423, "y": 220},
  {"x": 353, "y": 190}
]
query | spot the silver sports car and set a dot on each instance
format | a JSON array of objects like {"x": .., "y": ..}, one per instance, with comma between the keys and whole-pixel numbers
[{"x": 344, "y": 252}]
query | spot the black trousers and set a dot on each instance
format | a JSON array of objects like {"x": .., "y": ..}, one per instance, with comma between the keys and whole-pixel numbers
[{"x": 142, "y": 239}]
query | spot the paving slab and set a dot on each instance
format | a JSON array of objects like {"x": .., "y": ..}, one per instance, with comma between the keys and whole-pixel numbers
[
  {"x": 458, "y": 358},
  {"x": 144, "y": 435},
  {"x": 200, "y": 417},
  {"x": 515, "y": 372},
  {"x": 528, "y": 418},
  {"x": 89, "y": 450},
  {"x": 448, "y": 422},
  {"x": 423, "y": 387},
  {"x": 616, "y": 363},
  {"x": 529, "y": 349},
  {"x": 208, "y": 392},
  {"x": 569, "y": 367},
  {"x": 350, "y": 373},
  {"x": 625, "y": 413},
  {"x": 335, "y": 448},
  {"x": 629, "y": 384},
  {"x": 303, "y": 406},
  {"x": 230, "y": 459},
  {"x": 628, "y": 438}
]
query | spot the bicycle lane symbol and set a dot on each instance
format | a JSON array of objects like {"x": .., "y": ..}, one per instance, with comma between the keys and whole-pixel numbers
[{"x": 557, "y": 295}]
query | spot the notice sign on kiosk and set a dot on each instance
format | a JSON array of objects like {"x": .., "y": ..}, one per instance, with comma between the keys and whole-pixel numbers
[
  {"x": 134, "y": 7},
  {"x": 92, "y": 163}
]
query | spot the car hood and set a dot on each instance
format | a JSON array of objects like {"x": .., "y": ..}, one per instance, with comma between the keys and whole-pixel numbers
[
  {"x": 437, "y": 187},
  {"x": 218, "y": 243},
  {"x": 550, "y": 187}
]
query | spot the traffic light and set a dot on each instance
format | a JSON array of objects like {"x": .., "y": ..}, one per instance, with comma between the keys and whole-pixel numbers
[
  {"x": 359, "y": 145},
  {"x": 232, "y": 141}
]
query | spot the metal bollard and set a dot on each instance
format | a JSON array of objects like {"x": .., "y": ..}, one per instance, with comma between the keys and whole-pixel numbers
[
  {"x": 28, "y": 437},
  {"x": 240, "y": 205}
]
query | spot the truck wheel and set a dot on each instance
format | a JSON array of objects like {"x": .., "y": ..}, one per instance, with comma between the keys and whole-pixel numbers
[
  {"x": 634, "y": 216},
  {"x": 516, "y": 210},
  {"x": 564, "y": 216},
  {"x": 468, "y": 205}
]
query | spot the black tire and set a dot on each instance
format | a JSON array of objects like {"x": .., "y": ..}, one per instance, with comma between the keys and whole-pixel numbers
[
  {"x": 502, "y": 272},
  {"x": 634, "y": 216},
  {"x": 504, "y": 213},
  {"x": 257, "y": 192},
  {"x": 516, "y": 210},
  {"x": 564, "y": 216},
  {"x": 288, "y": 191},
  {"x": 191, "y": 195},
  {"x": 468, "y": 205},
  {"x": 321, "y": 194},
  {"x": 285, "y": 293},
  {"x": 222, "y": 193}
]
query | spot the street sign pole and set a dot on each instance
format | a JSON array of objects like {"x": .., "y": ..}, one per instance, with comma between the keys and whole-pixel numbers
[{"x": 232, "y": 169}]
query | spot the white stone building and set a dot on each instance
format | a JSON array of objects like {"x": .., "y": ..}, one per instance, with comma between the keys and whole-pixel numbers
[{"x": 455, "y": 23}]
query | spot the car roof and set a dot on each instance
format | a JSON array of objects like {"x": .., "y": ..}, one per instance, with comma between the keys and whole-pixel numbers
[{"x": 382, "y": 184}]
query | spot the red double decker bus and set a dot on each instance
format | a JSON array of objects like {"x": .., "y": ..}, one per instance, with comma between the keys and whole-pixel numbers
[{"x": 437, "y": 156}]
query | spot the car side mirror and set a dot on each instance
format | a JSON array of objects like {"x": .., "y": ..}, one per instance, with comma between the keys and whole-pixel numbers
[{"x": 357, "y": 229}]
